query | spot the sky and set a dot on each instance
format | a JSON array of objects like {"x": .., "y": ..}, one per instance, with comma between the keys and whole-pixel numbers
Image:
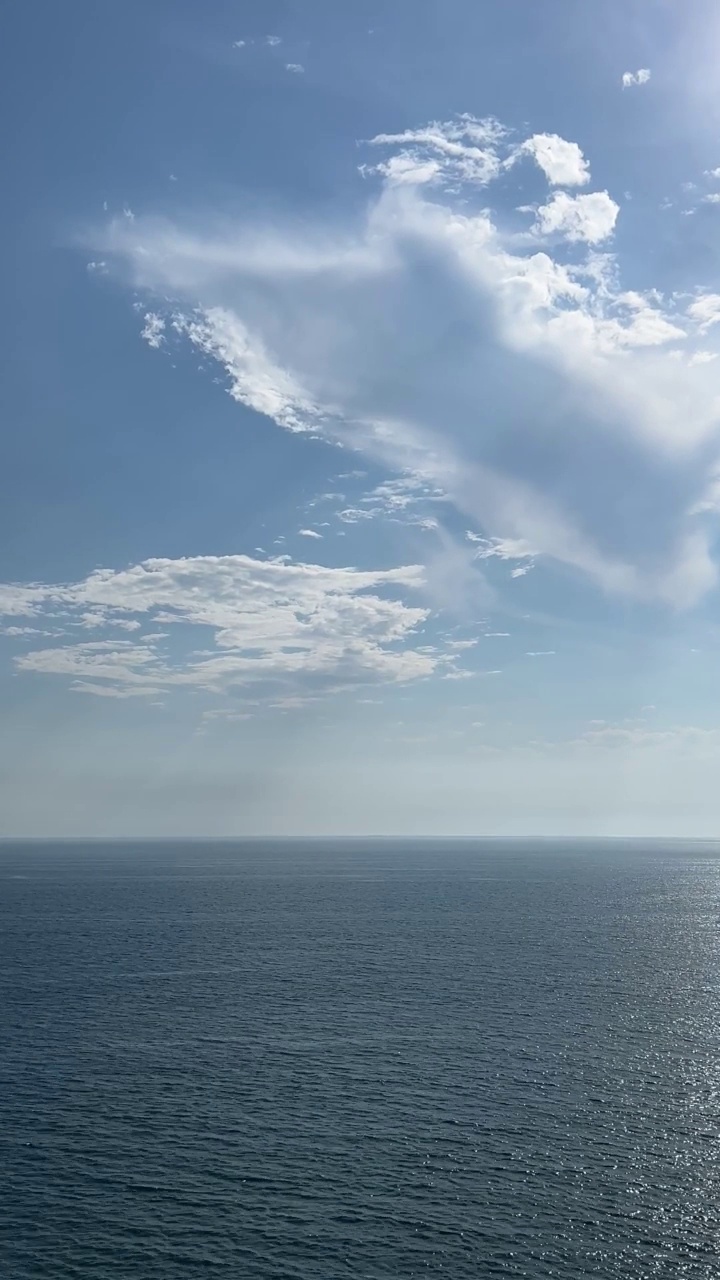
[{"x": 360, "y": 448}]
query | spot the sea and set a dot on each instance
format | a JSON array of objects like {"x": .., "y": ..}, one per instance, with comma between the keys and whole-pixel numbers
[{"x": 319, "y": 1059}]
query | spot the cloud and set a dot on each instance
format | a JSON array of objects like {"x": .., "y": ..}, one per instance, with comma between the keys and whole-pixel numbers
[
  {"x": 466, "y": 149},
  {"x": 631, "y": 78},
  {"x": 15, "y": 632},
  {"x": 613, "y": 737},
  {"x": 153, "y": 329},
  {"x": 255, "y": 379},
  {"x": 705, "y": 310},
  {"x": 296, "y": 67},
  {"x": 309, "y": 533},
  {"x": 270, "y": 623},
  {"x": 225, "y": 714},
  {"x": 405, "y": 500},
  {"x": 513, "y": 549},
  {"x": 503, "y": 548},
  {"x": 590, "y": 218},
  {"x": 550, "y": 407},
  {"x": 562, "y": 162},
  {"x": 273, "y": 41}
]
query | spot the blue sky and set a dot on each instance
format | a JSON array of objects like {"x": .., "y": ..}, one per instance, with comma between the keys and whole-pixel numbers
[{"x": 360, "y": 462}]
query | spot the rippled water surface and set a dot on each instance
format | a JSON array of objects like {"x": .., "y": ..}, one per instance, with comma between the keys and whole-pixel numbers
[{"x": 366, "y": 1060}]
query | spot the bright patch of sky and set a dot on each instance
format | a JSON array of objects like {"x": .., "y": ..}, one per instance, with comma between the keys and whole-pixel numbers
[{"x": 361, "y": 460}]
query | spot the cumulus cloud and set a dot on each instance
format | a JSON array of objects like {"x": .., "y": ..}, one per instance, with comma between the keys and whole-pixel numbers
[
  {"x": 590, "y": 218},
  {"x": 269, "y": 623},
  {"x": 552, "y": 408},
  {"x": 631, "y": 78},
  {"x": 562, "y": 162},
  {"x": 295, "y": 67}
]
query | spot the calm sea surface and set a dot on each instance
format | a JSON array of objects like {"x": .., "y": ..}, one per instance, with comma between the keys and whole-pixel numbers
[{"x": 367, "y": 1060}]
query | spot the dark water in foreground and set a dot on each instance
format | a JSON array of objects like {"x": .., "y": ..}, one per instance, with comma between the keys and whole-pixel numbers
[{"x": 372, "y": 1060}]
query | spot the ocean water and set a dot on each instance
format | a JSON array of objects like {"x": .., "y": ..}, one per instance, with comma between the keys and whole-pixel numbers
[{"x": 332, "y": 1060}]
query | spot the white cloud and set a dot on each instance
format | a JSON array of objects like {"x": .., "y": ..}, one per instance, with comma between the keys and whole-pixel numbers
[
  {"x": 271, "y": 622},
  {"x": 513, "y": 549},
  {"x": 273, "y": 41},
  {"x": 562, "y": 162},
  {"x": 643, "y": 324},
  {"x": 503, "y": 548},
  {"x": 705, "y": 310},
  {"x": 153, "y": 330},
  {"x": 631, "y": 78},
  {"x": 239, "y": 44},
  {"x": 309, "y": 533},
  {"x": 404, "y": 500},
  {"x": 590, "y": 218},
  {"x": 713, "y": 197},
  {"x": 15, "y": 632},
  {"x": 295, "y": 67},
  {"x": 465, "y": 150},
  {"x": 526, "y": 386},
  {"x": 613, "y": 737},
  {"x": 225, "y": 714},
  {"x": 255, "y": 379}
]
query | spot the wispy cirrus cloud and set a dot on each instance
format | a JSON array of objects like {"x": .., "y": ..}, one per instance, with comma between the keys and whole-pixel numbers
[
  {"x": 509, "y": 370},
  {"x": 406, "y": 500}
]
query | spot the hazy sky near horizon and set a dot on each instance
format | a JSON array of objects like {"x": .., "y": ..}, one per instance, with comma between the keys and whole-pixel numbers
[{"x": 360, "y": 459}]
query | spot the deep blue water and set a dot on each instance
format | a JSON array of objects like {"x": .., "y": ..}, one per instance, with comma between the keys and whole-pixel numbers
[{"x": 368, "y": 1060}]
